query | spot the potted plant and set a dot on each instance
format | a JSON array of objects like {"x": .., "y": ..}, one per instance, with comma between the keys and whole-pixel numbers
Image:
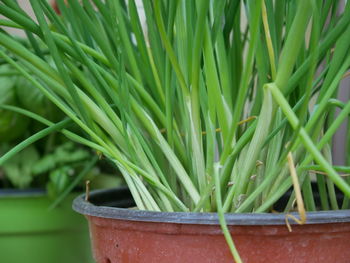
[
  {"x": 215, "y": 112},
  {"x": 36, "y": 185}
]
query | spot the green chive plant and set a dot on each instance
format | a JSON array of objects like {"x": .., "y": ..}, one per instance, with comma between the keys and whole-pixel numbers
[{"x": 210, "y": 106}]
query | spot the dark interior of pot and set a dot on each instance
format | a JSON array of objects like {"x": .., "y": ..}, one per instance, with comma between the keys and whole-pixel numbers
[
  {"x": 281, "y": 203},
  {"x": 112, "y": 198}
]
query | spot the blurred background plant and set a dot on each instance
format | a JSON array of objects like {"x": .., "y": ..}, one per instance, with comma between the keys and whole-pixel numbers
[{"x": 54, "y": 162}]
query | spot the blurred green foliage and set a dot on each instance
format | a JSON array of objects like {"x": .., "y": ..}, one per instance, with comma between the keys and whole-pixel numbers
[{"x": 53, "y": 162}]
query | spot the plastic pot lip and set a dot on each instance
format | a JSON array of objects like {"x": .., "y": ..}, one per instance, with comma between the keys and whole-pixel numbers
[
  {"x": 4, "y": 193},
  {"x": 82, "y": 206}
]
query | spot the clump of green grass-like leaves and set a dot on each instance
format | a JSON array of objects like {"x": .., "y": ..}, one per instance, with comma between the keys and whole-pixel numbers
[{"x": 199, "y": 107}]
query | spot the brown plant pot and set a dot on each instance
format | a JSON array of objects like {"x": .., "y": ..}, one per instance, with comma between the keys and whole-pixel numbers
[{"x": 121, "y": 235}]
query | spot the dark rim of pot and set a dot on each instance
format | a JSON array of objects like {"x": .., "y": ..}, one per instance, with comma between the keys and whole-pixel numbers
[
  {"x": 115, "y": 203},
  {"x": 22, "y": 192}
]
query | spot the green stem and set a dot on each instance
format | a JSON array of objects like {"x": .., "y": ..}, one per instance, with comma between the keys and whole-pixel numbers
[{"x": 309, "y": 145}]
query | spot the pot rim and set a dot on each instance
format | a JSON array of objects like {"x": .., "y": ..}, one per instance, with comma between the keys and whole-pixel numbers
[
  {"x": 82, "y": 206},
  {"x": 14, "y": 192}
]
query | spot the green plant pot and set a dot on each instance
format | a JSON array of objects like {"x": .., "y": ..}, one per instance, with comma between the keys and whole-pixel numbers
[{"x": 31, "y": 233}]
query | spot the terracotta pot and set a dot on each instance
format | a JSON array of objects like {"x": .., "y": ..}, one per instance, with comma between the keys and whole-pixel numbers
[
  {"x": 55, "y": 7},
  {"x": 122, "y": 235}
]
